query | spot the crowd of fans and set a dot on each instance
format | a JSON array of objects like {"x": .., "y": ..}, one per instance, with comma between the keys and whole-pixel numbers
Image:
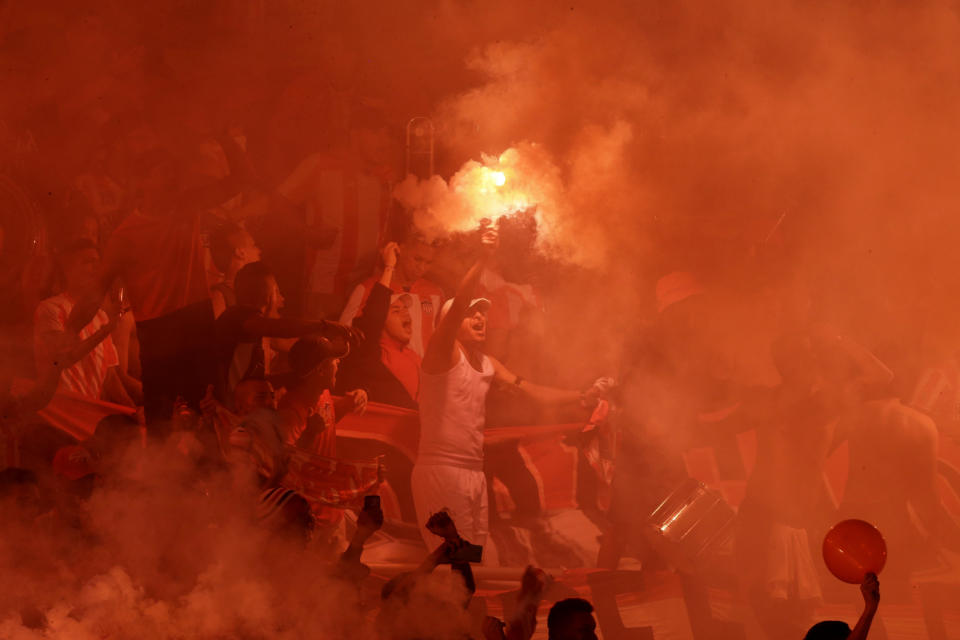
[
  {"x": 139, "y": 309},
  {"x": 158, "y": 322}
]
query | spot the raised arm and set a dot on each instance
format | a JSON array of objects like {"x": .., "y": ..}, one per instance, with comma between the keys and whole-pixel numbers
[
  {"x": 86, "y": 308},
  {"x": 524, "y": 621},
  {"x": 293, "y": 190},
  {"x": 266, "y": 327},
  {"x": 441, "y": 353},
  {"x": 215, "y": 193},
  {"x": 871, "y": 602}
]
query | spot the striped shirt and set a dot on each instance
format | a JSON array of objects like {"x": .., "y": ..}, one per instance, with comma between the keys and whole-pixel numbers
[{"x": 86, "y": 377}]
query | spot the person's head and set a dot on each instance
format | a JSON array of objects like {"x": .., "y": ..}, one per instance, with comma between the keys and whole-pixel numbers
[
  {"x": 399, "y": 324},
  {"x": 252, "y": 394},
  {"x": 571, "y": 619},
  {"x": 416, "y": 256},
  {"x": 473, "y": 327},
  {"x": 78, "y": 264},
  {"x": 157, "y": 177},
  {"x": 114, "y": 440},
  {"x": 828, "y": 630},
  {"x": 370, "y": 134},
  {"x": 20, "y": 498},
  {"x": 232, "y": 247},
  {"x": 256, "y": 286},
  {"x": 88, "y": 228},
  {"x": 314, "y": 362}
]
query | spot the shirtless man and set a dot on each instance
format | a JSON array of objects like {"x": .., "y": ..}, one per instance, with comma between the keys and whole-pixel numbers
[
  {"x": 823, "y": 376},
  {"x": 455, "y": 379}
]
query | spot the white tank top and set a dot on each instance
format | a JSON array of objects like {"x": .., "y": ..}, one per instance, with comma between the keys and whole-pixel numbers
[{"x": 453, "y": 414}]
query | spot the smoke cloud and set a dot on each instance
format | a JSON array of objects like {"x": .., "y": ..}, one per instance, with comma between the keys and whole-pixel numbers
[{"x": 800, "y": 158}]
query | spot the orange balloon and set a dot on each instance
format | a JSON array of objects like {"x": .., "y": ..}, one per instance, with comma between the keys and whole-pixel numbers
[{"x": 854, "y": 548}]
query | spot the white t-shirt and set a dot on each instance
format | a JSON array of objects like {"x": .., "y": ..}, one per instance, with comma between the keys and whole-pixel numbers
[
  {"x": 453, "y": 415},
  {"x": 86, "y": 377}
]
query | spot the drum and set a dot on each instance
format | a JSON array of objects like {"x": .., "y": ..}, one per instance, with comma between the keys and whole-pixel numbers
[{"x": 692, "y": 525}]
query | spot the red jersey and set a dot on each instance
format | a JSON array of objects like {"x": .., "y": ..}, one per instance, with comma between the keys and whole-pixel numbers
[{"x": 161, "y": 261}]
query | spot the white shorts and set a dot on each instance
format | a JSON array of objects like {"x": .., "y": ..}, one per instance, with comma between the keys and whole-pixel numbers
[{"x": 462, "y": 492}]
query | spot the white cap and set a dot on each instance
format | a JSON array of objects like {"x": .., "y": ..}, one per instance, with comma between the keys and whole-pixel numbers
[{"x": 482, "y": 303}]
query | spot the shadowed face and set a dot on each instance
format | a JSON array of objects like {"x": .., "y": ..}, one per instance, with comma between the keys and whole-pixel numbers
[
  {"x": 245, "y": 249},
  {"x": 415, "y": 259},
  {"x": 80, "y": 270},
  {"x": 254, "y": 394},
  {"x": 399, "y": 324}
]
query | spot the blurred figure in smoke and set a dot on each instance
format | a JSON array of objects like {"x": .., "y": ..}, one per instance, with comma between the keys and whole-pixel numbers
[
  {"x": 96, "y": 374},
  {"x": 836, "y": 630},
  {"x": 243, "y": 330},
  {"x": 456, "y": 377},
  {"x": 675, "y": 392},
  {"x": 893, "y": 474},
  {"x": 257, "y": 453},
  {"x": 310, "y": 414},
  {"x": 785, "y": 490},
  {"x": 824, "y": 376},
  {"x": 416, "y": 604},
  {"x": 158, "y": 253},
  {"x": 414, "y": 257},
  {"x": 20, "y": 498},
  {"x": 231, "y": 249}
]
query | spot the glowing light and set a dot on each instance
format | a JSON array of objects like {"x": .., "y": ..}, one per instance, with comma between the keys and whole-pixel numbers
[{"x": 499, "y": 178}]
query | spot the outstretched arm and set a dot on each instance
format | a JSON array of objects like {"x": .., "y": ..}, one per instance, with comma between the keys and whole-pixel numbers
[
  {"x": 441, "y": 353},
  {"x": 293, "y": 190},
  {"x": 871, "y": 601},
  {"x": 267, "y": 327},
  {"x": 548, "y": 396}
]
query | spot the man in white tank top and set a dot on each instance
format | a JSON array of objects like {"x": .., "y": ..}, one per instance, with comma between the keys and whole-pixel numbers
[{"x": 455, "y": 379}]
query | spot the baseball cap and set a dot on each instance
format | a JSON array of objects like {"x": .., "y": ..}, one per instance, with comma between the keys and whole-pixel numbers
[
  {"x": 309, "y": 352},
  {"x": 477, "y": 303}
]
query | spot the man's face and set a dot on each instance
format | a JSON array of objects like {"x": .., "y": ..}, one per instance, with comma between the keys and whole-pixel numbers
[
  {"x": 90, "y": 229},
  {"x": 245, "y": 250},
  {"x": 399, "y": 324},
  {"x": 579, "y": 625},
  {"x": 329, "y": 370},
  {"x": 251, "y": 395},
  {"x": 415, "y": 259},
  {"x": 80, "y": 270},
  {"x": 275, "y": 300},
  {"x": 473, "y": 329},
  {"x": 373, "y": 144}
]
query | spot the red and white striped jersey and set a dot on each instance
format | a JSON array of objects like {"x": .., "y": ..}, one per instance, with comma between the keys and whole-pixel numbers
[
  {"x": 355, "y": 204},
  {"x": 85, "y": 378}
]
